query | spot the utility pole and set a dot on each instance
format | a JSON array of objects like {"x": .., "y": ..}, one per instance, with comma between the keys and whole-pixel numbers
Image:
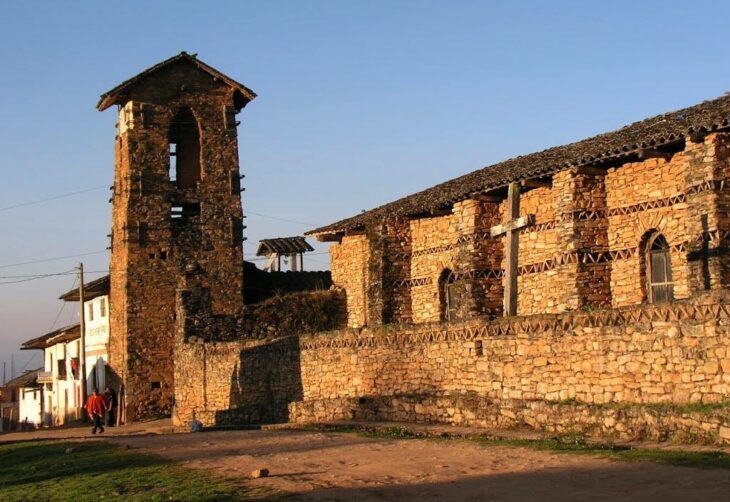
[{"x": 82, "y": 343}]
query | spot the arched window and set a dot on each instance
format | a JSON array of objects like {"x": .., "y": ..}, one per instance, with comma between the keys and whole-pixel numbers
[
  {"x": 184, "y": 139},
  {"x": 449, "y": 298},
  {"x": 660, "y": 288}
]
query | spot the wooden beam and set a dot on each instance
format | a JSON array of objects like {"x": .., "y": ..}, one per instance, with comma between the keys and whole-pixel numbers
[
  {"x": 535, "y": 183},
  {"x": 329, "y": 237},
  {"x": 591, "y": 171},
  {"x": 652, "y": 153},
  {"x": 523, "y": 221},
  {"x": 440, "y": 211},
  {"x": 511, "y": 252},
  {"x": 482, "y": 197}
]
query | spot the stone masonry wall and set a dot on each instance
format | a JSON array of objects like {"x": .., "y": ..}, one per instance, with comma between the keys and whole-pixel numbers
[
  {"x": 539, "y": 292},
  {"x": 349, "y": 264},
  {"x": 630, "y": 372},
  {"x": 644, "y": 183},
  {"x": 151, "y": 244}
]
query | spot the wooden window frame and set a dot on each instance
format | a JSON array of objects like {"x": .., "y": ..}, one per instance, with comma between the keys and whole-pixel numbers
[
  {"x": 650, "y": 285},
  {"x": 449, "y": 306}
]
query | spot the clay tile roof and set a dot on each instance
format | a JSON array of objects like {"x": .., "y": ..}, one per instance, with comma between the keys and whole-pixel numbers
[
  {"x": 93, "y": 289},
  {"x": 27, "y": 379},
  {"x": 652, "y": 132},
  {"x": 283, "y": 245},
  {"x": 65, "y": 334},
  {"x": 117, "y": 95}
]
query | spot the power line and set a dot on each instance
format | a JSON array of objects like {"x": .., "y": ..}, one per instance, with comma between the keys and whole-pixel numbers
[
  {"x": 43, "y": 276},
  {"x": 54, "y": 197},
  {"x": 281, "y": 219},
  {"x": 58, "y": 316},
  {"x": 49, "y": 274},
  {"x": 52, "y": 259}
]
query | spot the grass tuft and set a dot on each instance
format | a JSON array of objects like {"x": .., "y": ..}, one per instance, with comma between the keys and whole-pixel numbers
[{"x": 61, "y": 471}]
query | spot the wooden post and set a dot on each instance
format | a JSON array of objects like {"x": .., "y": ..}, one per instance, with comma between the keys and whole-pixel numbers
[
  {"x": 511, "y": 230},
  {"x": 511, "y": 251},
  {"x": 293, "y": 264},
  {"x": 82, "y": 341}
]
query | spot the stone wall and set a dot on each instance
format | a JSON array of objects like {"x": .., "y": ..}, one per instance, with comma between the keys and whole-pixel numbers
[
  {"x": 349, "y": 265},
  {"x": 636, "y": 192},
  {"x": 635, "y": 371}
]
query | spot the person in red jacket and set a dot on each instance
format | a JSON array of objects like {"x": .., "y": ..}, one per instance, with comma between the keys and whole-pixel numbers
[{"x": 95, "y": 409}]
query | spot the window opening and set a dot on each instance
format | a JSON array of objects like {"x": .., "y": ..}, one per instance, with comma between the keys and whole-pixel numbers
[
  {"x": 90, "y": 308},
  {"x": 449, "y": 296},
  {"x": 185, "y": 210},
  {"x": 659, "y": 266},
  {"x": 61, "y": 365},
  {"x": 184, "y": 150},
  {"x": 173, "y": 161}
]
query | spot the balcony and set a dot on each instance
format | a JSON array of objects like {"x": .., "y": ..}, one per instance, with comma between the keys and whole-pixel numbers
[{"x": 45, "y": 377}]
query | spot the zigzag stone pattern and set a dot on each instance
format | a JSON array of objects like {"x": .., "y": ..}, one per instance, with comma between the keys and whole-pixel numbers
[{"x": 579, "y": 371}]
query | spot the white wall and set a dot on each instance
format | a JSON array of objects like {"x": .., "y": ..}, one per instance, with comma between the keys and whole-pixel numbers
[
  {"x": 64, "y": 401},
  {"x": 30, "y": 405},
  {"x": 96, "y": 317}
]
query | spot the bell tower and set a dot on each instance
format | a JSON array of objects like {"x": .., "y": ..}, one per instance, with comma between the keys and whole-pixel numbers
[{"x": 176, "y": 202}]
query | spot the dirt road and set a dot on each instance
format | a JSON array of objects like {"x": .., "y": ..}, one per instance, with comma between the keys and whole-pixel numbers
[{"x": 346, "y": 467}]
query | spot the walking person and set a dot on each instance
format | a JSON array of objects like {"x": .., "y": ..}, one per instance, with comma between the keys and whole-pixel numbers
[
  {"x": 95, "y": 409},
  {"x": 110, "y": 405}
]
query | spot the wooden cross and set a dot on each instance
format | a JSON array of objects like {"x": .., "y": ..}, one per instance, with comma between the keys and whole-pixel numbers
[{"x": 511, "y": 230}]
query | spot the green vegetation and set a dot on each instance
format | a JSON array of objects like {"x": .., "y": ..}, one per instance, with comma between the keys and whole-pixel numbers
[
  {"x": 686, "y": 458},
  {"x": 51, "y": 471},
  {"x": 676, "y": 408},
  {"x": 567, "y": 444}
]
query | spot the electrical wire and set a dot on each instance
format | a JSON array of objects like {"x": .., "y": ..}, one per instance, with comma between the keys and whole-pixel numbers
[
  {"x": 54, "y": 197},
  {"x": 281, "y": 219},
  {"x": 53, "y": 325},
  {"x": 44, "y": 260},
  {"x": 43, "y": 276}
]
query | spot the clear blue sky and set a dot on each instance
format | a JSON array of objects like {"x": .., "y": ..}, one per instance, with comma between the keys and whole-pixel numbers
[{"x": 359, "y": 103}]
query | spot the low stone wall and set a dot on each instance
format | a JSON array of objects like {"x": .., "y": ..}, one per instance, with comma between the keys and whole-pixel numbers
[{"x": 648, "y": 371}]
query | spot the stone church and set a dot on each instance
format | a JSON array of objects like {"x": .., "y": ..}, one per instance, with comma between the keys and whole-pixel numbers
[{"x": 581, "y": 289}]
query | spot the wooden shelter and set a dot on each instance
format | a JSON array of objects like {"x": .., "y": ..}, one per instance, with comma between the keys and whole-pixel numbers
[{"x": 292, "y": 247}]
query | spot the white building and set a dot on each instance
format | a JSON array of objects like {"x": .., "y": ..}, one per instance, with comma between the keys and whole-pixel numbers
[
  {"x": 60, "y": 376},
  {"x": 62, "y": 397},
  {"x": 24, "y": 397},
  {"x": 30, "y": 396}
]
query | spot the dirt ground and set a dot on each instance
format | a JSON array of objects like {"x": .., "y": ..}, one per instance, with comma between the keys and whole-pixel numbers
[{"x": 316, "y": 466}]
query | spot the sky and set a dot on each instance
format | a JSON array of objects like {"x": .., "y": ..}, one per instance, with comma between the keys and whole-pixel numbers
[{"x": 359, "y": 103}]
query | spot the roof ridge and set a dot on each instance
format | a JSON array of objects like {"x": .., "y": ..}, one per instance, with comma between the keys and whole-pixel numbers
[
  {"x": 108, "y": 98},
  {"x": 649, "y": 132}
]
